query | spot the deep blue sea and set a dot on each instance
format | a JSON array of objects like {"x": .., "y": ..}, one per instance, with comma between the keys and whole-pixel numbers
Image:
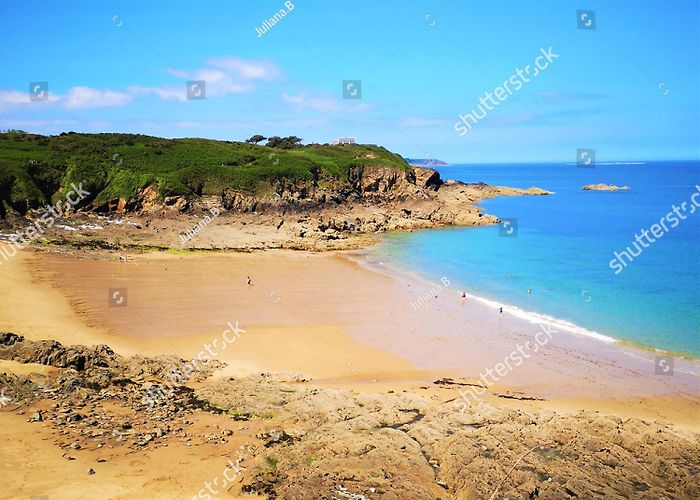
[{"x": 565, "y": 242}]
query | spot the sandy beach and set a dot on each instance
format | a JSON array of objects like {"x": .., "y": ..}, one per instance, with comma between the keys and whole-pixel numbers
[
  {"x": 357, "y": 315},
  {"x": 337, "y": 320}
]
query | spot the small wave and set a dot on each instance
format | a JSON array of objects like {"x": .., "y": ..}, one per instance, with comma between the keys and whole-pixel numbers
[
  {"x": 534, "y": 318},
  {"x": 542, "y": 319}
]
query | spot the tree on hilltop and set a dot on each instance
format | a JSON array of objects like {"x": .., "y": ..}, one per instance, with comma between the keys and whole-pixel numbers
[
  {"x": 256, "y": 139},
  {"x": 288, "y": 142}
]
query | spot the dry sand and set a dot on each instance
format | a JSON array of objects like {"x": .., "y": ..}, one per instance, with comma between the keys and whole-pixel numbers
[{"x": 324, "y": 316}]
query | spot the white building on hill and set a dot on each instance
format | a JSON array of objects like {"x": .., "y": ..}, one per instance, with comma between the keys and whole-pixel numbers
[{"x": 344, "y": 140}]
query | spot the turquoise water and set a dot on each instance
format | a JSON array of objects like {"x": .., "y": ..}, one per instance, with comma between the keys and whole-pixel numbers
[{"x": 564, "y": 245}]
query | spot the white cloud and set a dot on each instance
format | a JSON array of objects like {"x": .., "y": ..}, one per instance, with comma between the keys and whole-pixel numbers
[
  {"x": 165, "y": 93},
  {"x": 35, "y": 123},
  {"x": 245, "y": 69},
  {"x": 323, "y": 102},
  {"x": 86, "y": 97},
  {"x": 223, "y": 75},
  {"x": 177, "y": 73},
  {"x": 13, "y": 97},
  {"x": 77, "y": 97},
  {"x": 220, "y": 83}
]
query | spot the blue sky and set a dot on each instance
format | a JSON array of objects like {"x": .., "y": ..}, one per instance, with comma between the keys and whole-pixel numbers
[{"x": 629, "y": 89}]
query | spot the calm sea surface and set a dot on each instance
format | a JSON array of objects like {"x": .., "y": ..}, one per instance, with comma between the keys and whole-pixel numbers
[{"x": 564, "y": 244}]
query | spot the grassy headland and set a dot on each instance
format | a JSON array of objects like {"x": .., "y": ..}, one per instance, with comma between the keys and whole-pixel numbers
[{"x": 35, "y": 168}]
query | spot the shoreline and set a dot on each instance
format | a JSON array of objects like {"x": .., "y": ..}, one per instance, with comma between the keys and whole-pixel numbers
[
  {"x": 398, "y": 270},
  {"x": 577, "y": 339},
  {"x": 365, "y": 335},
  {"x": 357, "y": 255}
]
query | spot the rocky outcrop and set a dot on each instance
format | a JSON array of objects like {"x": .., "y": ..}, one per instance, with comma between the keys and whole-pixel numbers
[
  {"x": 310, "y": 440},
  {"x": 49, "y": 352},
  {"x": 426, "y": 178},
  {"x": 326, "y": 442},
  {"x": 310, "y": 214},
  {"x": 351, "y": 445},
  {"x": 604, "y": 187}
]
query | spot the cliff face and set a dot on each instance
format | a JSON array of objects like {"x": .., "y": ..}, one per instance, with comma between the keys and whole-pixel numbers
[
  {"x": 316, "y": 214},
  {"x": 365, "y": 184}
]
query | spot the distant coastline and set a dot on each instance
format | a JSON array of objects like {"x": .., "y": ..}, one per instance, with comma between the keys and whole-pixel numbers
[{"x": 425, "y": 162}]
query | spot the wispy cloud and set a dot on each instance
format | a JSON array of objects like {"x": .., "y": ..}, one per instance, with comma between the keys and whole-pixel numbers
[
  {"x": 177, "y": 73},
  {"x": 567, "y": 96},
  {"x": 14, "y": 123},
  {"x": 86, "y": 97},
  {"x": 223, "y": 75},
  {"x": 417, "y": 121},
  {"x": 323, "y": 102}
]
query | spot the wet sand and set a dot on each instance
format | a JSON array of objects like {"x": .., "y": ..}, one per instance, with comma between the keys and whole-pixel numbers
[{"x": 332, "y": 318}]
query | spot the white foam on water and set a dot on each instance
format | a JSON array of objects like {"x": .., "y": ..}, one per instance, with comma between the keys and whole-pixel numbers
[
  {"x": 542, "y": 319},
  {"x": 529, "y": 316}
]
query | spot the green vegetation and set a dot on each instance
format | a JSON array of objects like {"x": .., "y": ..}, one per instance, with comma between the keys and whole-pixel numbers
[{"x": 35, "y": 168}]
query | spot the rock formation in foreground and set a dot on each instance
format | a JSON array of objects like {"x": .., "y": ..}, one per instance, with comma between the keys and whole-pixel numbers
[{"x": 301, "y": 440}]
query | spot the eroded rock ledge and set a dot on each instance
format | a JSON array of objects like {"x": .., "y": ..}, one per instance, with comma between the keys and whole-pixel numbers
[
  {"x": 313, "y": 215},
  {"x": 336, "y": 443}
]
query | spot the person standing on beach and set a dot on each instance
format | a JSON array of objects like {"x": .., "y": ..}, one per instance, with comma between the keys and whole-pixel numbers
[
  {"x": 250, "y": 281},
  {"x": 500, "y": 310}
]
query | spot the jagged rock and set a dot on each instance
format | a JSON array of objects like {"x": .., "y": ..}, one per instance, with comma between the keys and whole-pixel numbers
[
  {"x": 52, "y": 353},
  {"x": 427, "y": 178}
]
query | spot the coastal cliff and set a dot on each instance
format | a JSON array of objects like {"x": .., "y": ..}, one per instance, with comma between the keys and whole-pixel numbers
[{"x": 247, "y": 196}]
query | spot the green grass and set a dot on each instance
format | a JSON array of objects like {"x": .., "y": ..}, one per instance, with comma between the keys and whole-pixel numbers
[{"x": 35, "y": 168}]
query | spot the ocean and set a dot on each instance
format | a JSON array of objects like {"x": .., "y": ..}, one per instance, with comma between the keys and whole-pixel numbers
[{"x": 561, "y": 247}]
